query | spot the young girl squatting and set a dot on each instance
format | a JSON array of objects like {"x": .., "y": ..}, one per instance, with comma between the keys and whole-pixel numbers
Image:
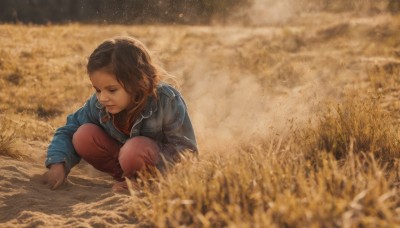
[{"x": 133, "y": 122}]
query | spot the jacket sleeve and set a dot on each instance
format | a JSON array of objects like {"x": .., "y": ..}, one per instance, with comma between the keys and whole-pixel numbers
[
  {"x": 177, "y": 128},
  {"x": 61, "y": 148}
]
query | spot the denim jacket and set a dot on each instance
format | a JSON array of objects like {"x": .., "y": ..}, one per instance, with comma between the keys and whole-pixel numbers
[{"x": 164, "y": 119}]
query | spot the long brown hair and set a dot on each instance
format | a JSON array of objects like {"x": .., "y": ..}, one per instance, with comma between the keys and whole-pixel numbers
[{"x": 129, "y": 60}]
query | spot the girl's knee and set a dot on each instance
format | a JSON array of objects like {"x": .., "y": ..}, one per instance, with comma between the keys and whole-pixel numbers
[
  {"x": 137, "y": 143},
  {"x": 137, "y": 154},
  {"x": 84, "y": 131},
  {"x": 84, "y": 137}
]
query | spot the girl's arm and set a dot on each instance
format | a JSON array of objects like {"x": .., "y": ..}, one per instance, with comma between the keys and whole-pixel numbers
[
  {"x": 177, "y": 128},
  {"x": 61, "y": 149}
]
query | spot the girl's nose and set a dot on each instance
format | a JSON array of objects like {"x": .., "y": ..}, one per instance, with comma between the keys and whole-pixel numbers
[{"x": 102, "y": 97}]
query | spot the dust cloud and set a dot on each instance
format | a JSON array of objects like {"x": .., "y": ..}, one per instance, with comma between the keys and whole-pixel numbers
[
  {"x": 267, "y": 12},
  {"x": 229, "y": 113},
  {"x": 230, "y": 107},
  {"x": 235, "y": 98}
]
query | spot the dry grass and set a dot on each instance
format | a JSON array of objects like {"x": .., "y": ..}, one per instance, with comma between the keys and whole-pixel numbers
[
  {"x": 6, "y": 138},
  {"x": 358, "y": 125},
  {"x": 298, "y": 125},
  {"x": 353, "y": 6},
  {"x": 348, "y": 177}
]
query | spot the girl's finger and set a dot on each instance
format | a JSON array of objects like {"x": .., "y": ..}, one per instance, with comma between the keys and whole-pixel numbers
[{"x": 57, "y": 184}]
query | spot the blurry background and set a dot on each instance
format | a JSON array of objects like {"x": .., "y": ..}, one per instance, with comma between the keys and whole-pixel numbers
[
  {"x": 115, "y": 11},
  {"x": 169, "y": 11}
]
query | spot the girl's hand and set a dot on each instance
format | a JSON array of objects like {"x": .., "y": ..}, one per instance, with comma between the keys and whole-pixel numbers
[{"x": 55, "y": 176}]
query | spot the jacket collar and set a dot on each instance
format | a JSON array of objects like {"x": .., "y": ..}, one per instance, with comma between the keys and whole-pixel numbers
[
  {"x": 151, "y": 106},
  {"x": 149, "y": 109}
]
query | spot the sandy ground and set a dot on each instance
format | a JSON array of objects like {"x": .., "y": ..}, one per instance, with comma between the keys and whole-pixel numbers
[{"x": 84, "y": 201}]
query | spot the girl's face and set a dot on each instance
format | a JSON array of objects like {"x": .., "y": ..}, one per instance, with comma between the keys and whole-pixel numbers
[{"x": 110, "y": 93}]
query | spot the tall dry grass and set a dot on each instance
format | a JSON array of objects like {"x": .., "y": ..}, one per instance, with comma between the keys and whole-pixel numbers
[
  {"x": 359, "y": 125},
  {"x": 349, "y": 178},
  {"x": 350, "y": 6},
  {"x": 6, "y": 138}
]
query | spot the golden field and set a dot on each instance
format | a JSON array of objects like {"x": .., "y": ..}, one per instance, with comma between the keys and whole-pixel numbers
[{"x": 297, "y": 123}]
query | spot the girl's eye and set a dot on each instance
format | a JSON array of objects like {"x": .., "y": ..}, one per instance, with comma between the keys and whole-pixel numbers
[
  {"x": 112, "y": 90},
  {"x": 97, "y": 91}
]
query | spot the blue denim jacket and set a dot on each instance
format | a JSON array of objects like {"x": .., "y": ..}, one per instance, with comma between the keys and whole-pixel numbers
[{"x": 164, "y": 119}]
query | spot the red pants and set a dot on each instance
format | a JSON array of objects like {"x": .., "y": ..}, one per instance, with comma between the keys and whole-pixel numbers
[{"x": 108, "y": 155}]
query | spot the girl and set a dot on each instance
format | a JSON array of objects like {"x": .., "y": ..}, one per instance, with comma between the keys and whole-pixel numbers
[{"x": 131, "y": 123}]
